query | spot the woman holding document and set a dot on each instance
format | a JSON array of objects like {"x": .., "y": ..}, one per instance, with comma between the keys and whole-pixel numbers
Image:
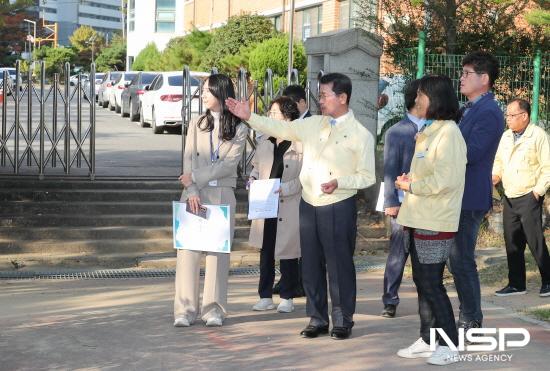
[
  {"x": 431, "y": 211},
  {"x": 213, "y": 149},
  {"x": 279, "y": 237}
]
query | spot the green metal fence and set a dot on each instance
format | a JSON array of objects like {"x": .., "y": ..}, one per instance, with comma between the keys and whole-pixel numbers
[{"x": 517, "y": 79}]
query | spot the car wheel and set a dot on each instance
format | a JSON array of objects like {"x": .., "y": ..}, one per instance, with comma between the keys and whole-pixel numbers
[
  {"x": 110, "y": 106},
  {"x": 122, "y": 111},
  {"x": 156, "y": 129},
  {"x": 142, "y": 122},
  {"x": 133, "y": 116},
  {"x": 117, "y": 108}
]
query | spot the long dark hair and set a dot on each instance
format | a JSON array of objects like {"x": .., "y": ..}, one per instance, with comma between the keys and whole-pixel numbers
[{"x": 221, "y": 87}]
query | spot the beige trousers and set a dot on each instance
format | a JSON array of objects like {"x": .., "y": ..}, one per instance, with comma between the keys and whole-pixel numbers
[{"x": 214, "y": 297}]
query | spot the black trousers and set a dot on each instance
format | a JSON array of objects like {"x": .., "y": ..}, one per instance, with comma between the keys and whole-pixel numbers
[
  {"x": 522, "y": 220},
  {"x": 434, "y": 306},
  {"x": 288, "y": 267},
  {"x": 327, "y": 238}
]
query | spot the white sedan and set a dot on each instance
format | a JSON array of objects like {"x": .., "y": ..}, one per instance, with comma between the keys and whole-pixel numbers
[
  {"x": 115, "y": 96},
  {"x": 162, "y": 101}
]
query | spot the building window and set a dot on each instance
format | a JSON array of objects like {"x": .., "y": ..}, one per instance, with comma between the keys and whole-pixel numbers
[
  {"x": 277, "y": 23},
  {"x": 165, "y": 16},
  {"x": 131, "y": 15},
  {"x": 348, "y": 13},
  {"x": 309, "y": 22}
]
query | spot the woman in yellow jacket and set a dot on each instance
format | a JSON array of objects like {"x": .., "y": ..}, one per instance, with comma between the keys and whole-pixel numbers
[{"x": 431, "y": 211}]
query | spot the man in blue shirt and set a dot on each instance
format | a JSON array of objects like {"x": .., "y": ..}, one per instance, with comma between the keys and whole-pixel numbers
[
  {"x": 399, "y": 145},
  {"x": 482, "y": 125}
]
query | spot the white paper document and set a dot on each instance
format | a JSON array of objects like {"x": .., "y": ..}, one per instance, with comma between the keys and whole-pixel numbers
[
  {"x": 192, "y": 232},
  {"x": 380, "y": 201},
  {"x": 263, "y": 202}
]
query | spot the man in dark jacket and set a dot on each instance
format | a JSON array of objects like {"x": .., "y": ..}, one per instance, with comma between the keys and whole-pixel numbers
[
  {"x": 482, "y": 125},
  {"x": 399, "y": 145}
]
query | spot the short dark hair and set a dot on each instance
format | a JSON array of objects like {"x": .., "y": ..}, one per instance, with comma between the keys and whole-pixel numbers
[
  {"x": 340, "y": 83},
  {"x": 523, "y": 105},
  {"x": 442, "y": 95},
  {"x": 410, "y": 93},
  {"x": 288, "y": 107},
  {"x": 295, "y": 92},
  {"x": 483, "y": 62}
]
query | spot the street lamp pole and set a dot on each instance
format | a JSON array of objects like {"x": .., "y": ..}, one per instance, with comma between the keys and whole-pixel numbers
[{"x": 34, "y": 33}]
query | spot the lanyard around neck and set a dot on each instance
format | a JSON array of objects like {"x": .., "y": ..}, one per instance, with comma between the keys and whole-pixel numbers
[{"x": 214, "y": 154}]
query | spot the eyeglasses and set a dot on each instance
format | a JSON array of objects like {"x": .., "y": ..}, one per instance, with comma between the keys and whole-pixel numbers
[
  {"x": 465, "y": 73},
  {"x": 508, "y": 115}
]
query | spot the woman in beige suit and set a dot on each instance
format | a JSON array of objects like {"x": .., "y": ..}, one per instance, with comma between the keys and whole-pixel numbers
[
  {"x": 279, "y": 237},
  {"x": 213, "y": 149}
]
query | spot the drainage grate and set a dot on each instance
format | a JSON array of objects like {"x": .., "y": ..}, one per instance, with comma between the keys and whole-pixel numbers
[{"x": 360, "y": 266}]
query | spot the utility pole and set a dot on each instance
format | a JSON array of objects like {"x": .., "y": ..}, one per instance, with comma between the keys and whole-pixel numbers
[
  {"x": 290, "y": 40},
  {"x": 33, "y": 35},
  {"x": 123, "y": 18}
]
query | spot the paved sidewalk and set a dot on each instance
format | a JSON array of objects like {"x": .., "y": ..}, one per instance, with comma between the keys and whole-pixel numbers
[{"x": 127, "y": 325}]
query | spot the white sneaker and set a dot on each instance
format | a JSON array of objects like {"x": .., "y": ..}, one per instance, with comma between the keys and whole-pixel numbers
[
  {"x": 285, "y": 306},
  {"x": 182, "y": 321},
  {"x": 442, "y": 356},
  {"x": 264, "y": 304},
  {"x": 419, "y": 349},
  {"x": 214, "y": 321}
]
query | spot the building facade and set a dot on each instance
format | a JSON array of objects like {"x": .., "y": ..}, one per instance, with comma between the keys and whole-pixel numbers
[
  {"x": 311, "y": 17},
  {"x": 152, "y": 21},
  {"x": 160, "y": 20},
  {"x": 104, "y": 16}
]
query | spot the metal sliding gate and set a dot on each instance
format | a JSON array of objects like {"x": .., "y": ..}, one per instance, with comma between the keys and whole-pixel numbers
[
  {"x": 246, "y": 89},
  {"x": 48, "y": 127}
]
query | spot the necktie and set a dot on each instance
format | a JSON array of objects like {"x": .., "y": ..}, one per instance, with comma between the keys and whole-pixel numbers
[
  {"x": 332, "y": 122},
  {"x": 463, "y": 109}
]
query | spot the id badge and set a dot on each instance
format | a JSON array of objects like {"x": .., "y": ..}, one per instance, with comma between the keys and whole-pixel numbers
[
  {"x": 420, "y": 155},
  {"x": 213, "y": 183}
]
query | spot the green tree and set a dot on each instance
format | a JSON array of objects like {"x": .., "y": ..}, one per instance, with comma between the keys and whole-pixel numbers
[
  {"x": 240, "y": 31},
  {"x": 453, "y": 26},
  {"x": 55, "y": 58},
  {"x": 147, "y": 59},
  {"x": 112, "y": 57},
  {"x": 185, "y": 50},
  {"x": 273, "y": 53},
  {"x": 82, "y": 40}
]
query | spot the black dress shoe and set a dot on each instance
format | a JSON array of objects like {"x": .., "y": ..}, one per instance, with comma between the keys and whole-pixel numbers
[
  {"x": 313, "y": 331},
  {"x": 389, "y": 310},
  {"x": 340, "y": 333}
]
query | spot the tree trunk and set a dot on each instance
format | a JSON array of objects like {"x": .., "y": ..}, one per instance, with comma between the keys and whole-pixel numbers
[{"x": 450, "y": 25}]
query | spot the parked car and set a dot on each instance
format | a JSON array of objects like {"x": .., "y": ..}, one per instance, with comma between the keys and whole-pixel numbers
[
  {"x": 12, "y": 76},
  {"x": 104, "y": 88},
  {"x": 98, "y": 78},
  {"x": 74, "y": 79},
  {"x": 162, "y": 101},
  {"x": 131, "y": 95},
  {"x": 115, "y": 98}
]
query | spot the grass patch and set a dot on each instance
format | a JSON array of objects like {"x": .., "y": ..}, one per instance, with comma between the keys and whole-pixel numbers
[
  {"x": 541, "y": 313},
  {"x": 498, "y": 273}
]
